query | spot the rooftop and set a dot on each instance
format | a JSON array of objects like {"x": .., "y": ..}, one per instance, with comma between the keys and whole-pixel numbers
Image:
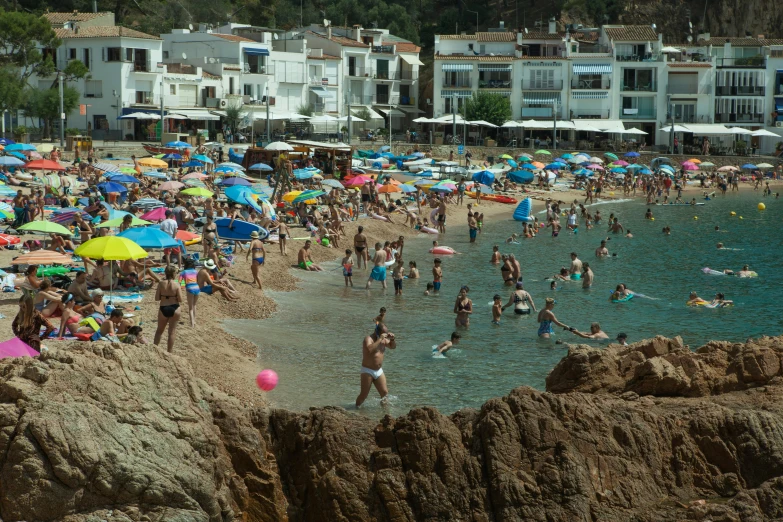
[
  {"x": 690, "y": 64},
  {"x": 209, "y": 75},
  {"x": 631, "y": 33},
  {"x": 482, "y": 37},
  {"x": 342, "y": 40},
  {"x": 232, "y": 37},
  {"x": 109, "y": 31},
  {"x": 75, "y": 16},
  {"x": 324, "y": 57},
  {"x": 480, "y": 58}
]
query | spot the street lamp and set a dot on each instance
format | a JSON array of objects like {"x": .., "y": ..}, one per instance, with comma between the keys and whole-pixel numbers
[
  {"x": 62, "y": 111},
  {"x": 554, "y": 124},
  {"x": 87, "y": 120},
  {"x": 671, "y": 123}
]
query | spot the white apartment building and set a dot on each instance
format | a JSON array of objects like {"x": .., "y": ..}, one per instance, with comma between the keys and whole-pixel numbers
[
  {"x": 617, "y": 77},
  {"x": 123, "y": 70},
  {"x": 351, "y": 69}
]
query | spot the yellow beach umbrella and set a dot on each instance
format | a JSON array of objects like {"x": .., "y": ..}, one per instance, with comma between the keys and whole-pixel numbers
[
  {"x": 152, "y": 162},
  {"x": 198, "y": 192},
  {"x": 110, "y": 248}
]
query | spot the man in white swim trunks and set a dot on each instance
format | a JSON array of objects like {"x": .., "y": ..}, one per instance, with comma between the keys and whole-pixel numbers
[{"x": 373, "y": 351}]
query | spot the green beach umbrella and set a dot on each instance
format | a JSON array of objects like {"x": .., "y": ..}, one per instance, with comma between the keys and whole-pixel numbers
[
  {"x": 610, "y": 155},
  {"x": 45, "y": 227},
  {"x": 542, "y": 151},
  {"x": 128, "y": 170},
  {"x": 197, "y": 191}
]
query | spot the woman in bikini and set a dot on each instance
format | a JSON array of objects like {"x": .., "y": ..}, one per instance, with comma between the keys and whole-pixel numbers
[
  {"x": 46, "y": 299},
  {"x": 189, "y": 277},
  {"x": 168, "y": 293},
  {"x": 521, "y": 300},
  {"x": 463, "y": 307},
  {"x": 70, "y": 318},
  {"x": 256, "y": 248},
  {"x": 210, "y": 241},
  {"x": 546, "y": 318}
]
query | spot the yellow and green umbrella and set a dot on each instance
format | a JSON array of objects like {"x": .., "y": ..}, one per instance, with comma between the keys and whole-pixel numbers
[
  {"x": 45, "y": 227},
  {"x": 110, "y": 248},
  {"x": 197, "y": 191}
]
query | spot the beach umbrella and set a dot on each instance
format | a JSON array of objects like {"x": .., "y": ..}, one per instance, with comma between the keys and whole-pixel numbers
[
  {"x": 528, "y": 166},
  {"x": 546, "y": 152},
  {"x": 695, "y": 160},
  {"x": 18, "y": 155},
  {"x": 537, "y": 164},
  {"x": 235, "y": 166},
  {"x": 727, "y": 168},
  {"x": 261, "y": 166},
  {"x": 749, "y": 166},
  {"x": 227, "y": 182},
  {"x": 303, "y": 174},
  {"x": 646, "y": 172},
  {"x": 279, "y": 146},
  {"x": 62, "y": 218},
  {"x": 619, "y": 170},
  {"x": 152, "y": 162},
  {"x": 43, "y": 165},
  {"x": 170, "y": 186},
  {"x": 197, "y": 192},
  {"x": 505, "y": 156},
  {"x": 485, "y": 177},
  {"x": 106, "y": 167},
  {"x": 582, "y": 172},
  {"x": 555, "y": 166},
  {"x": 292, "y": 195},
  {"x": 631, "y": 154},
  {"x": 574, "y": 159},
  {"x": 237, "y": 193},
  {"x": 388, "y": 189},
  {"x": 202, "y": 158},
  {"x": 635, "y": 166},
  {"x": 194, "y": 183},
  {"x": 310, "y": 195},
  {"x": 148, "y": 203},
  {"x": 156, "y": 214},
  {"x": 441, "y": 188},
  {"x": 158, "y": 156},
  {"x": 149, "y": 237},
  {"x": 19, "y": 147},
  {"x": 192, "y": 163},
  {"x": 45, "y": 227},
  {"x": 690, "y": 166},
  {"x": 123, "y": 178},
  {"x": 116, "y": 222},
  {"x": 609, "y": 155},
  {"x": 6, "y": 141},
  {"x": 156, "y": 175},
  {"x": 171, "y": 156},
  {"x": 596, "y": 159},
  {"x": 568, "y": 155},
  {"x": 512, "y": 163},
  {"x": 333, "y": 183},
  {"x": 760, "y": 165},
  {"x": 621, "y": 163},
  {"x": 128, "y": 170},
  {"x": 178, "y": 145},
  {"x": 407, "y": 189},
  {"x": 706, "y": 164},
  {"x": 594, "y": 166},
  {"x": 43, "y": 257},
  {"x": 357, "y": 181},
  {"x": 195, "y": 175},
  {"x": 15, "y": 347},
  {"x": 110, "y": 248},
  {"x": 225, "y": 170},
  {"x": 10, "y": 161},
  {"x": 423, "y": 182},
  {"x": 110, "y": 186}
]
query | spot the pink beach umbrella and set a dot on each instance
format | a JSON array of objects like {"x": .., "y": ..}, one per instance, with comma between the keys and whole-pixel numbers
[
  {"x": 595, "y": 167},
  {"x": 170, "y": 185},
  {"x": 621, "y": 163},
  {"x": 357, "y": 181},
  {"x": 156, "y": 214},
  {"x": 690, "y": 166},
  {"x": 16, "y": 347},
  {"x": 195, "y": 175}
]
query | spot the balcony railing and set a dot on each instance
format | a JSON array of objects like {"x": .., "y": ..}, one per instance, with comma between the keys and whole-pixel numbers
[
  {"x": 382, "y": 99},
  {"x": 359, "y": 72},
  {"x": 460, "y": 84},
  {"x": 590, "y": 84},
  {"x": 145, "y": 98},
  {"x": 702, "y": 89},
  {"x": 553, "y": 85},
  {"x": 539, "y": 112},
  {"x": 495, "y": 84},
  {"x": 647, "y": 57},
  {"x": 259, "y": 69},
  {"x": 637, "y": 114},
  {"x": 640, "y": 87},
  {"x": 758, "y": 62},
  {"x": 729, "y": 90},
  {"x": 408, "y": 75},
  {"x": 383, "y": 49},
  {"x": 730, "y": 117},
  {"x": 590, "y": 114}
]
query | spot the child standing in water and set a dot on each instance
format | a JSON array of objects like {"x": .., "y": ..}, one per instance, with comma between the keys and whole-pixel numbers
[
  {"x": 437, "y": 275},
  {"x": 380, "y": 317},
  {"x": 347, "y": 263},
  {"x": 397, "y": 275},
  {"x": 497, "y": 309}
]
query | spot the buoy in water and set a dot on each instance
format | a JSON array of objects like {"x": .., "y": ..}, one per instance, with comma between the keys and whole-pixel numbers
[
  {"x": 733, "y": 213},
  {"x": 740, "y": 217},
  {"x": 762, "y": 206},
  {"x": 695, "y": 217},
  {"x": 652, "y": 219},
  {"x": 611, "y": 193},
  {"x": 267, "y": 380}
]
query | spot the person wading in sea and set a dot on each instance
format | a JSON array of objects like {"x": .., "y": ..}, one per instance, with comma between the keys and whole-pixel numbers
[{"x": 373, "y": 351}]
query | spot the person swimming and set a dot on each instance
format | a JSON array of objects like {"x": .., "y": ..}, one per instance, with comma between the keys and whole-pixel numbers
[{"x": 445, "y": 346}]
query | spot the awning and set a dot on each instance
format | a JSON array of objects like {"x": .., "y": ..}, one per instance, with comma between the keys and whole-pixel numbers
[
  {"x": 322, "y": 92},
  {"x": 601, "y": 125},
  {"x": 411, "y": 60},
  {"x": 506, "y": 94},
  {"x": 373, "y": 115},
  {"x": 194, "y": 114},
  {"x": 496, "y": 68},
  {"x": 256, "y": 51},
  {"x": 594, "y": 68},
  {"x": 779, "y": 104},
  {"x": 706, "y": 129},
  {"x": 411, "y": 110},
  {"x": 540, "y": 98},
  {"x": 589, "y": 95},
  {"x": 586, "y": 126},
  {"x": 459, "y": 94},
  {"x": 546, "y": 124},
  {"x": 457, "y": 67},
  {"x": 394, "y": 113},
  {"x": 218, "y": 113}
]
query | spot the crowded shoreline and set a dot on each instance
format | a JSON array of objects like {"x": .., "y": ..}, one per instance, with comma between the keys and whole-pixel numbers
[{"x": 231, "y": 364}]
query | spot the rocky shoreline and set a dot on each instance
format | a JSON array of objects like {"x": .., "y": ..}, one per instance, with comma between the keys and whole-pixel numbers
[{"x": 651, "y": 431}]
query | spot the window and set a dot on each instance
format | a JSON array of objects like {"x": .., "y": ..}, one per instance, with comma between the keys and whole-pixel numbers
[
  {"x": 231, "y": 85},
  {"x": 93, "y": 88},
  {"x": 541, "y": 79},
  {"x": 459, "y": 105},
  {"x": 86, "y": 56},
  {"x": 456, "y": 79},
  {"x": 71, "y": 54},
  {"x": 173, "y": 90},
  {"x": 165, "y": 55},
  {"x": 247, "y": 89},
  {"x": 382, "y": 69},
  {"x": 113, "y": 54},
  {"x": 50, "y": 53},
  {"x": 128, "y": 54}
]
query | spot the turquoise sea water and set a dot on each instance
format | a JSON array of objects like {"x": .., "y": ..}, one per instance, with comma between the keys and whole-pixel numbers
[{"x": 314, "y": 341}]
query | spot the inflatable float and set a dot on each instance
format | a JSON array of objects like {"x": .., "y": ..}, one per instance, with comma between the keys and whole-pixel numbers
[
  {"x": 697, "y": 302},
  {"x": 522, "y": 212},
  {"x": 6, "y": 240},
  {"x": 379, "y": 217},
  {"x": 443, "y": 251},
  {"x": 624, "y": 299},
  {"x": 492, "y": 197},
  {"x": 428, "y": 230},
  {"x": 710, "y": 271}
]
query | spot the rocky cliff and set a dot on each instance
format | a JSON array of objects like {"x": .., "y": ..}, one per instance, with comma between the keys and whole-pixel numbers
[{"x": 121, "y": 433}]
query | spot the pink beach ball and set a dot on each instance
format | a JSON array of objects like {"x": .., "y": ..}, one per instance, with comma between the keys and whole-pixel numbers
[{"x": 267, "y": 380}]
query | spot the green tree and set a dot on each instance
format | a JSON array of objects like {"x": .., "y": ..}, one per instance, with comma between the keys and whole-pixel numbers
[
  {"x": 305, "y": 110},
  {"x": 12, "y": 88},
  {"x": 234, "y": 115},
  {"x": 364, "y": 114},
  {"x": 487, "y": 106},
  {"x": 20, "y": 35},
  {"x": 44, "y": 104}
]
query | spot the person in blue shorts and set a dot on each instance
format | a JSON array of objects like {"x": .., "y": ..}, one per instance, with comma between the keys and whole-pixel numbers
[{"x": 378, "y": 272}]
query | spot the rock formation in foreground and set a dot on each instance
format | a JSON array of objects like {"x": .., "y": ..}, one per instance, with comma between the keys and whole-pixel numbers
[{"x": 123, "y": 433}]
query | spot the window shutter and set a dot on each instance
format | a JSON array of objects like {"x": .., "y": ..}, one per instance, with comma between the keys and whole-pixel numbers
[{"x": 103, "y": 53}]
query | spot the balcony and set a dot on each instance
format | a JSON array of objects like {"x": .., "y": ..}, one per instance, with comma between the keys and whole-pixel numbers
[
  {"x": 145, "y": 98},
  {"x": 687, "y": 90},
  {"x": 590, "y": 114},
  {"x": 359, "y": 72},
  {"x": 552, "y": 85},
  {"x": 640, "y": 87},
  {"x": 386, "y": 75},
  {"x": 591, "y": 84},
  {"x": 382, "y": 49},
  {"x": 754, "y": 62},
  {"x": 494, "y": 84},
  {"x": 459, "y": 84},
  {"x": 727, "y": 90},
  {"x": 540, "y": 113},
  {"x": 408, "y": 75},
  {"x": 638, "y": 114},
  {"x": 382, "y": 99},
  {"x": 250, "y": 68},
  {"x": 727, "y": 117},
  {"x": 647, "y": 57}
]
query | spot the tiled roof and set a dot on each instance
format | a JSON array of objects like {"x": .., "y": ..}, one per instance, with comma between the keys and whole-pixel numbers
[
  {"x": 230, "y": 68},
  {"x": 542, "y": 58},
  {"x": 631, "y": 33},
  {"x": 690, "y": 64},
  {"x": 75, "y": 16},
  {"x": 543, "y": 35},
  {"x": 733, "y": 40},
  {"x": 482, "y": 37},
  {"x": 342, "y": 40},
  {"x": 205, "y": 74},
  {"x": 103, "y": 32},
  {"x": 232, "y": 37},
  {"x": 324, "y": 57},
  {"x": 772, "y": 41},
  {"x": 407, "y": 47},
  {"x": 474, "y": 57}
]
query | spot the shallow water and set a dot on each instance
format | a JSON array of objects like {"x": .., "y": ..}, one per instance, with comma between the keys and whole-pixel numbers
[{"x": 318, "y": 360}]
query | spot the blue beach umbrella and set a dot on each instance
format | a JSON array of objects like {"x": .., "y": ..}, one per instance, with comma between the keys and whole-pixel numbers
[
  {"x": 155, "y": 174},
  {"x": 259, "y": 166},
  {"x": 178, "y": 145},
  {"x": 438, "y": 188},
  {"x": 193, "y": 163},
  {"x": 529, "y": 166},
  {"x": 303, "y": 174},
  {"x": 111, "y": 187},
  {"x": 307, "y": 194},
  {"x": 226, "y": 169},
  {"x": 583, "y": 172},
  {"x": 749, "y": 166},
  {"x": 10, "y": 161},
  {"x": 407, "y": 188},
  {"x": 173, "y": 156},
  {"x": 237, "y": 193},
  {"x": 484, "y": 177},
  {"x": 18, "y": 155},
  {"x": 634, "y": 166},
  {"x": 631, "y": 154},
  {"x": 227, "y": 182},
  {"x": 567, "y": 156},
  {"x": 618, "y": 170},
  {"x": 6, "y": 141},
  {"x": 512, "y": 163},
  {"x": 14, "y": 147},
  {"x": 668, "y": 168},
  {"x": 645, "y": 172},
  {"x": 202, "y": 158},
  {"x": 152, "y": 238},
  {"x": 122, "y": 178},
  {"x": 555, "y": 166}
]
